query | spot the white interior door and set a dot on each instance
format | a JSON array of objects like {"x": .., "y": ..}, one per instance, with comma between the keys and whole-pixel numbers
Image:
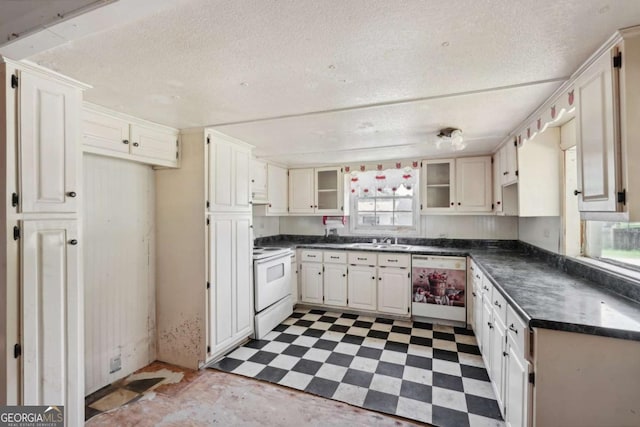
[
  {"x": 52, "y": 320},
  {"x": 49, "y": 146}
]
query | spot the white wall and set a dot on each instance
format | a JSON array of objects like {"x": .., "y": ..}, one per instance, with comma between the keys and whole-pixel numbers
[
  {"x": 543, "y": 232},
  {"x": 119, "y": 256},
  {"x": 432, "y": 226}
]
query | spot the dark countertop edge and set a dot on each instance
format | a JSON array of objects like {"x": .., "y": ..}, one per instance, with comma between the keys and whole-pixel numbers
[{"x": 532, "y": 322}]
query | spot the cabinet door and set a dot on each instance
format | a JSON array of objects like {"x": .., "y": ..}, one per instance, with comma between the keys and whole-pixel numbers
[
  {"x": 157, "y": 145},
  {"x": 439, "y": 188},
  {"x": 394, "y": 290},
  {"x": 362, "y": 287},
  {"x": 328, "y": 191},
  {"x": 473, "y": 184},
  {"x": 335, "y": 284},
  {"x": 311, "y": 286},
  {"x": 497, "y": 182},
  {"x": 517, "y": 389},
  {"x": 598, "y": 140},
  {"x": 49, "y": 145},
  {"x": 294, "y": 280},
  {"x": 229, "y": 181},
  {"x": 278, "y": 185},
  {"x": 477, "y": 316},
  {"x": 259, "y": 181},
  {"x": 497, "y": 349},
  {"x": 242, "y": 180},
  {"x": 230, "y": 277},
  {"x": 52, "y": 317},
  {"x": 511, "y": 152},
  {"x": 487, "y": 325},
  {"x": 301, "y": 189},
  {"x": 103, "y": 132}
]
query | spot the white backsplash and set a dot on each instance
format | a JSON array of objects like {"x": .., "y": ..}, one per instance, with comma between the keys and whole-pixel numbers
[
  {"x": 265, "y": 226},
  {"x": 543, "y": 232},
  {"x": 432, "y": 226}
]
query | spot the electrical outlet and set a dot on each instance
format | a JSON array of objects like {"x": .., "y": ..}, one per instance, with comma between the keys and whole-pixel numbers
[
  {"x": 546, "y": 233},
  {"x": 115, "y": 364}
]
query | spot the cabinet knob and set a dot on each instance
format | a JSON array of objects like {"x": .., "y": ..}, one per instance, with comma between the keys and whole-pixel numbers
[
  {"x": 490, "y": 325},
  {"x": 253, "y": 180},
  {"x": 135, "y": 144},
  {"x": 497, "y": 304},
  {"x": 504, "y": 353},
  {"x": 311, "y": 206},
  {"x": 71, "y": 194},
  {"x": 505, "y": 173},
  {"x": 576, "y": 192},
  {"x": 379, "y": 278},
  {"x": 498, "y": 202},
  {"x": 473, "y": 293},
  {"x": 459, "y": 203},
  {"x": 344, "y": 275},
  {"x": 320, "y": 273},
  {"x": 73, "y": 242},
  {"x": 269, "y": 204},
  {"x": 315, "y": 206},
  {"x": 125, "y": 141},
  {"x": 452, "y": 203},
  {"x": 512, "y": 328}
]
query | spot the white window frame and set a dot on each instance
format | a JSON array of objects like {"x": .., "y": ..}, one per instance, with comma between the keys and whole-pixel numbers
[{"x": 394, "y": 230}]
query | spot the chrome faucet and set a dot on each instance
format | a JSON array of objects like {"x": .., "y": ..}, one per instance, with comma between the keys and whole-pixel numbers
[{"x": 389, "y": 239}]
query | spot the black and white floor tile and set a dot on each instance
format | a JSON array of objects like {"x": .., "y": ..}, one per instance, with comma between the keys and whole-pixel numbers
[{"x": 424, "y": 372}]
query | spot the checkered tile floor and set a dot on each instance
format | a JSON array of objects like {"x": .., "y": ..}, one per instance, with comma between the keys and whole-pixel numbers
[{"x": 420, "y": 371}]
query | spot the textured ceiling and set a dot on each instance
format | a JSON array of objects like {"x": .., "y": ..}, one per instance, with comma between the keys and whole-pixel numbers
[{"x": 207, "y": 62}]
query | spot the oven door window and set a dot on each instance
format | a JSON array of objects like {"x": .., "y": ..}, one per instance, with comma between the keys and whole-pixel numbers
[{"x": 275, "y": 272}]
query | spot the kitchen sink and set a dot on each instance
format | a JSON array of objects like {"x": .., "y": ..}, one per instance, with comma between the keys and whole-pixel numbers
[{"x": 379, "y": 246}]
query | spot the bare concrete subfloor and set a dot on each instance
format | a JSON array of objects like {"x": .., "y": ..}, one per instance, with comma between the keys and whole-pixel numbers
[{"x": 216, "y": 398}]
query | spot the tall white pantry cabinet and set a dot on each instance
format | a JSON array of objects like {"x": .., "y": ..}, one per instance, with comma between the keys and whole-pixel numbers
[
  {"x": 41, "y": 315},
  {"x": 204, "y": 246}
]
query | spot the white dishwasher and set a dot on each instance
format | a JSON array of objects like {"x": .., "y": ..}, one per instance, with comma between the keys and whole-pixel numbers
[{"x": 438, "y": 287}]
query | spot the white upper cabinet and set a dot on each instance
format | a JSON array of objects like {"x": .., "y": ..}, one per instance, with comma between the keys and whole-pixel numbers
[
  {"x": 301, "y": 189},
  {"x": 509, "y": 163},
  {"x": 49, "y": 134},
  {"x": 329, "y": 197},
  {"x": 598, "y": 136},
  {"x": 259, "y": 181},
  {"x": 456, "y": 185},
  {"x": 229, "y": 182},
  {"x": 278, "y": 184},
  {"x": 112, "y": 134},
  {"x": 155, "y": 144},
  {"x": 497, "y": 182},
  {"x": 473, "y": 184},
  {"x": 439, "y": 186}
]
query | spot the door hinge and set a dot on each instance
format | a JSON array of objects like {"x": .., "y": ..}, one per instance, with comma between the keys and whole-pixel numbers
[
  {"x": 208, "y": 349},
  {"x": 420, "y": 206},
  {"x": 207, "y": 221},
  {"x": 515, "y": 143},
  {"x": 208, "y": 285},
  {"x": 14, "y": 199},
  {"x": 491, "y": 206},
  {"x": 14, "y": 81},
  {"x": 617, "y": 60},
  {"x": 420, "y": 164},
  {"x": 208, "y": 204},
  {"x": 409, "y": 275},
  {"x": 516, "y": 173},
  {"x": 532, "y": 378},
  {"x": 622, "y": 197},
  {"x": 408, "y": 310},
  {"x": 16, "y": 232},
  {"x": 17, "y": 351},
  {"x": 208, "y": 139},
  {"x": 341, "y": 170},
  {"x": 492, "y": 160}
]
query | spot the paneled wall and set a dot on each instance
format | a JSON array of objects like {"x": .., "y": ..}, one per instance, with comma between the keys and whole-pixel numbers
[
  {"x": 265, "y": 226},
  {"x": 432, "y": 226},
  {"x": 543, "y": 232},
  {"x": 119, "y": 254}
]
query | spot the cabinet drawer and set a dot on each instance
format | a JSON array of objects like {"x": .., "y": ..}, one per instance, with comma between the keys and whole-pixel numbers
[
  {"x": 335, "y": 257},
  {"x": 394, "y": 260},
  {"x": 485, "y": 286},
  {"x": 362, "y": 258},
  {"x": 476, "y": 277},
  {"x": 517, "y": 330},
  {"x": 499, "y": 305},
  {"x": 311, "y": 256}
]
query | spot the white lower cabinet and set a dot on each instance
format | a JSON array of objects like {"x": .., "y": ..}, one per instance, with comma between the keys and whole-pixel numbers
[
  {"x": 362, "y": 287},
  {"x": 52, "y": 317},
  {"x": 294, "y": 279},
  {"x": 516, "y": 386},
  {"x": 498, "y": 354},
  {"x": 394, "y": 290},
  {"x": 486, "y": 331},
  {"x": 311, "y": 282},
  {"x": 231, "y": 290},
  {"x": 335, "y": 284}
]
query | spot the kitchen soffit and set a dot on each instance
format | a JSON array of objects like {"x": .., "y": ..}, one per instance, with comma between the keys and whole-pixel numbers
[{"x": 311, "y": 82}]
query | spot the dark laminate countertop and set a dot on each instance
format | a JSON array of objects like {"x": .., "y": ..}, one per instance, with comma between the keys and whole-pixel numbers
[
  {"x": 540, "y": 290},
  {"x": 552, "y": 299}
]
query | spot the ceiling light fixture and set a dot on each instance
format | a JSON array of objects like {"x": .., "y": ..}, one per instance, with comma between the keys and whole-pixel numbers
[{"x": 451, "y": 137}]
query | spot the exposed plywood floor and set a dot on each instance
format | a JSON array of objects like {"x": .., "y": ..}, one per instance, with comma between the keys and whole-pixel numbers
[{"x": 210, "y": 397}]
